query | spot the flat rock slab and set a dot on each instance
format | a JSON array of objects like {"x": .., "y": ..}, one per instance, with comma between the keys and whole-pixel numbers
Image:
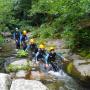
[
  {"x": 21, "y": 62},
  {"x": 83, "y": 66},
  {"x": 22, "y": 84},
  {"x": 5, "y": 81},
  {"x": 21, "y": 73}
]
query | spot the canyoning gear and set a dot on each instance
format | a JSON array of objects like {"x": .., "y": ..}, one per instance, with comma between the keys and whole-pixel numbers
[
  {"x": 32, "y": 50},
  {"x": 41, "y": 54},
  {"x": 32, "y": 41},
  {"x": 52, "y": 48},
  {"x": 17, "y": 44},
  {"x": 24, "y": 32},
  {"x": 16, "y": 36},
  {"x": 51, "y": 57},
  {"x": 41, "y": 46},
  {"x": 55, "y": 59},
  {"x": 16, "y": 29},
  {"x": 24, "y": 38},
  {"x": 24, "y": 45}
]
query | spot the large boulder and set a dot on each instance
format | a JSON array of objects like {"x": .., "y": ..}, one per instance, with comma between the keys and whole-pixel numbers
[
  {"x": 83, "y": 66},
  {"x": 22, "y": 84},
  {"x": 5, "y": 81},
  {"x": 80, "y": 70}
]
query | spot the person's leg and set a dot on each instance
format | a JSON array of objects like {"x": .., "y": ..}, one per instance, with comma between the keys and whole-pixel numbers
[{"x": 54, "y": 66}]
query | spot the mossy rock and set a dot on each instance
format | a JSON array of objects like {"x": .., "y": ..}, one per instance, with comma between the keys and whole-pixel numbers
[
  {"x": 73, "y": 71},
  {"x": 14, "y": 68},
  {"x": 88, "y": 56}
]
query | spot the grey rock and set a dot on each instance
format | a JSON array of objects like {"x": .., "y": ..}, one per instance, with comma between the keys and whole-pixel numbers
[
  {"x": 22, "y": 84},
  {"x": 5, "y": 81}
]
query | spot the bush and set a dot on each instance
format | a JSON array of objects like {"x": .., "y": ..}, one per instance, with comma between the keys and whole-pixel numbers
[
  {"x": 14, "y": 68},
  {"x": 22, "y": 53},
  {"x": 1, "y": 40}
]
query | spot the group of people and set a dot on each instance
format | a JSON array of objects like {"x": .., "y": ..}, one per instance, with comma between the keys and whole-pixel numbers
[{"x": 39, "y": 53}]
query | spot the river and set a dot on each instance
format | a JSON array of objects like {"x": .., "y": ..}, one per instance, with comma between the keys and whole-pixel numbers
[{"x": 61, "y": 81}]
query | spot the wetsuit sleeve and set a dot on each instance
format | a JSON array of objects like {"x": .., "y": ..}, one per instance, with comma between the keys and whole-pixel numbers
[
  {"x": 60, "y": 55},
  {"x": 20, "y": 38},
  {"x": 46, "y": 58},
  {"x": 27, "y": 38},
  {"x": 27, "y": 48},
  {"x": 36, "y": 55}
]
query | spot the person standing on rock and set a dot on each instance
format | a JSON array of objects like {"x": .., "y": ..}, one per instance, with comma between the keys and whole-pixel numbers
[
  {"x": 24, "y": 40},
  {"x": 16, "y": 36},
  {"x": 24, "y": 36}
]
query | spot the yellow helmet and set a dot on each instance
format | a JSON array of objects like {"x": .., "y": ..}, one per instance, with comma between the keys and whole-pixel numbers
[
  {"x": 41, "y": 46},
  {"x": 52, "y": 48},
  {"x": 32, "y": 40},
  {"x": 24, "y": 32}
]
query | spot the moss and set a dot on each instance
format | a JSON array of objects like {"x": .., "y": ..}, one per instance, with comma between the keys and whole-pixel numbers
[
  {"x": 69, "y": 68},
  {"x": 88, "y": 56},
  {"x": 84, "y": 53},
  {"x": 72, "y": 71},
  {"x": 14, "y": 68}
]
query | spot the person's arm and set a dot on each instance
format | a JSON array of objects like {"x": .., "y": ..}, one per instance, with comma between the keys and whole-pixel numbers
[
  {"x": 27, "y": 39},
  {"x": 27, "y": 48},
  {"x": 63, "y": 59},
  {"x": 36, "y": 56},
  {"x": 46, "y": 58},
  {"x": 20, "y": 38}
]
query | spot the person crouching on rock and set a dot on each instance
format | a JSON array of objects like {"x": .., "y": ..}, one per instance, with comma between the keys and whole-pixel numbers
[
  {"x": 41, "y": 54},
  {"x": 32, "y": 48},
  {"x": 51, "y": 59}
]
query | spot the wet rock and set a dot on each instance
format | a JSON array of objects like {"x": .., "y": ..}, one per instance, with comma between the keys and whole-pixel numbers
[
  {"x": 80, "y": 70},
  {"x": 22, "y": 84},
  {"x": 22, "y": 62},
  {"x": 55, "y": 85},
  {"x": 5, "y": 81},
  {"x": 83, "y": 66},
  {"x": 36, "y": 75},
  {"x": 21, "y": 74}
]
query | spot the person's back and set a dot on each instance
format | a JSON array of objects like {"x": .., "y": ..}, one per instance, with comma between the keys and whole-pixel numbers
[
  {"x": 33, "y": 48},
  {"x": 16, "y": 37},
  {"x": 24, "y": 36},
  {"x": 52, "y": 57}
]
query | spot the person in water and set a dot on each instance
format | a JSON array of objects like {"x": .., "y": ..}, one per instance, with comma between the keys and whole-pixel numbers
[
  {"x": 40, "y": 55},
  {"x": 51, "y": 59}
]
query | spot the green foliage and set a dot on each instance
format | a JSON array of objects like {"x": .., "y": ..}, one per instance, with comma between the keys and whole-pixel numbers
[
  {"x": 14, "y": 68},
  {"x": 1, "y": 40},
  {"x": 49, "y": 19},
  {"x": 22, "y": 53},
  {"x": 84, "y": 53}
]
